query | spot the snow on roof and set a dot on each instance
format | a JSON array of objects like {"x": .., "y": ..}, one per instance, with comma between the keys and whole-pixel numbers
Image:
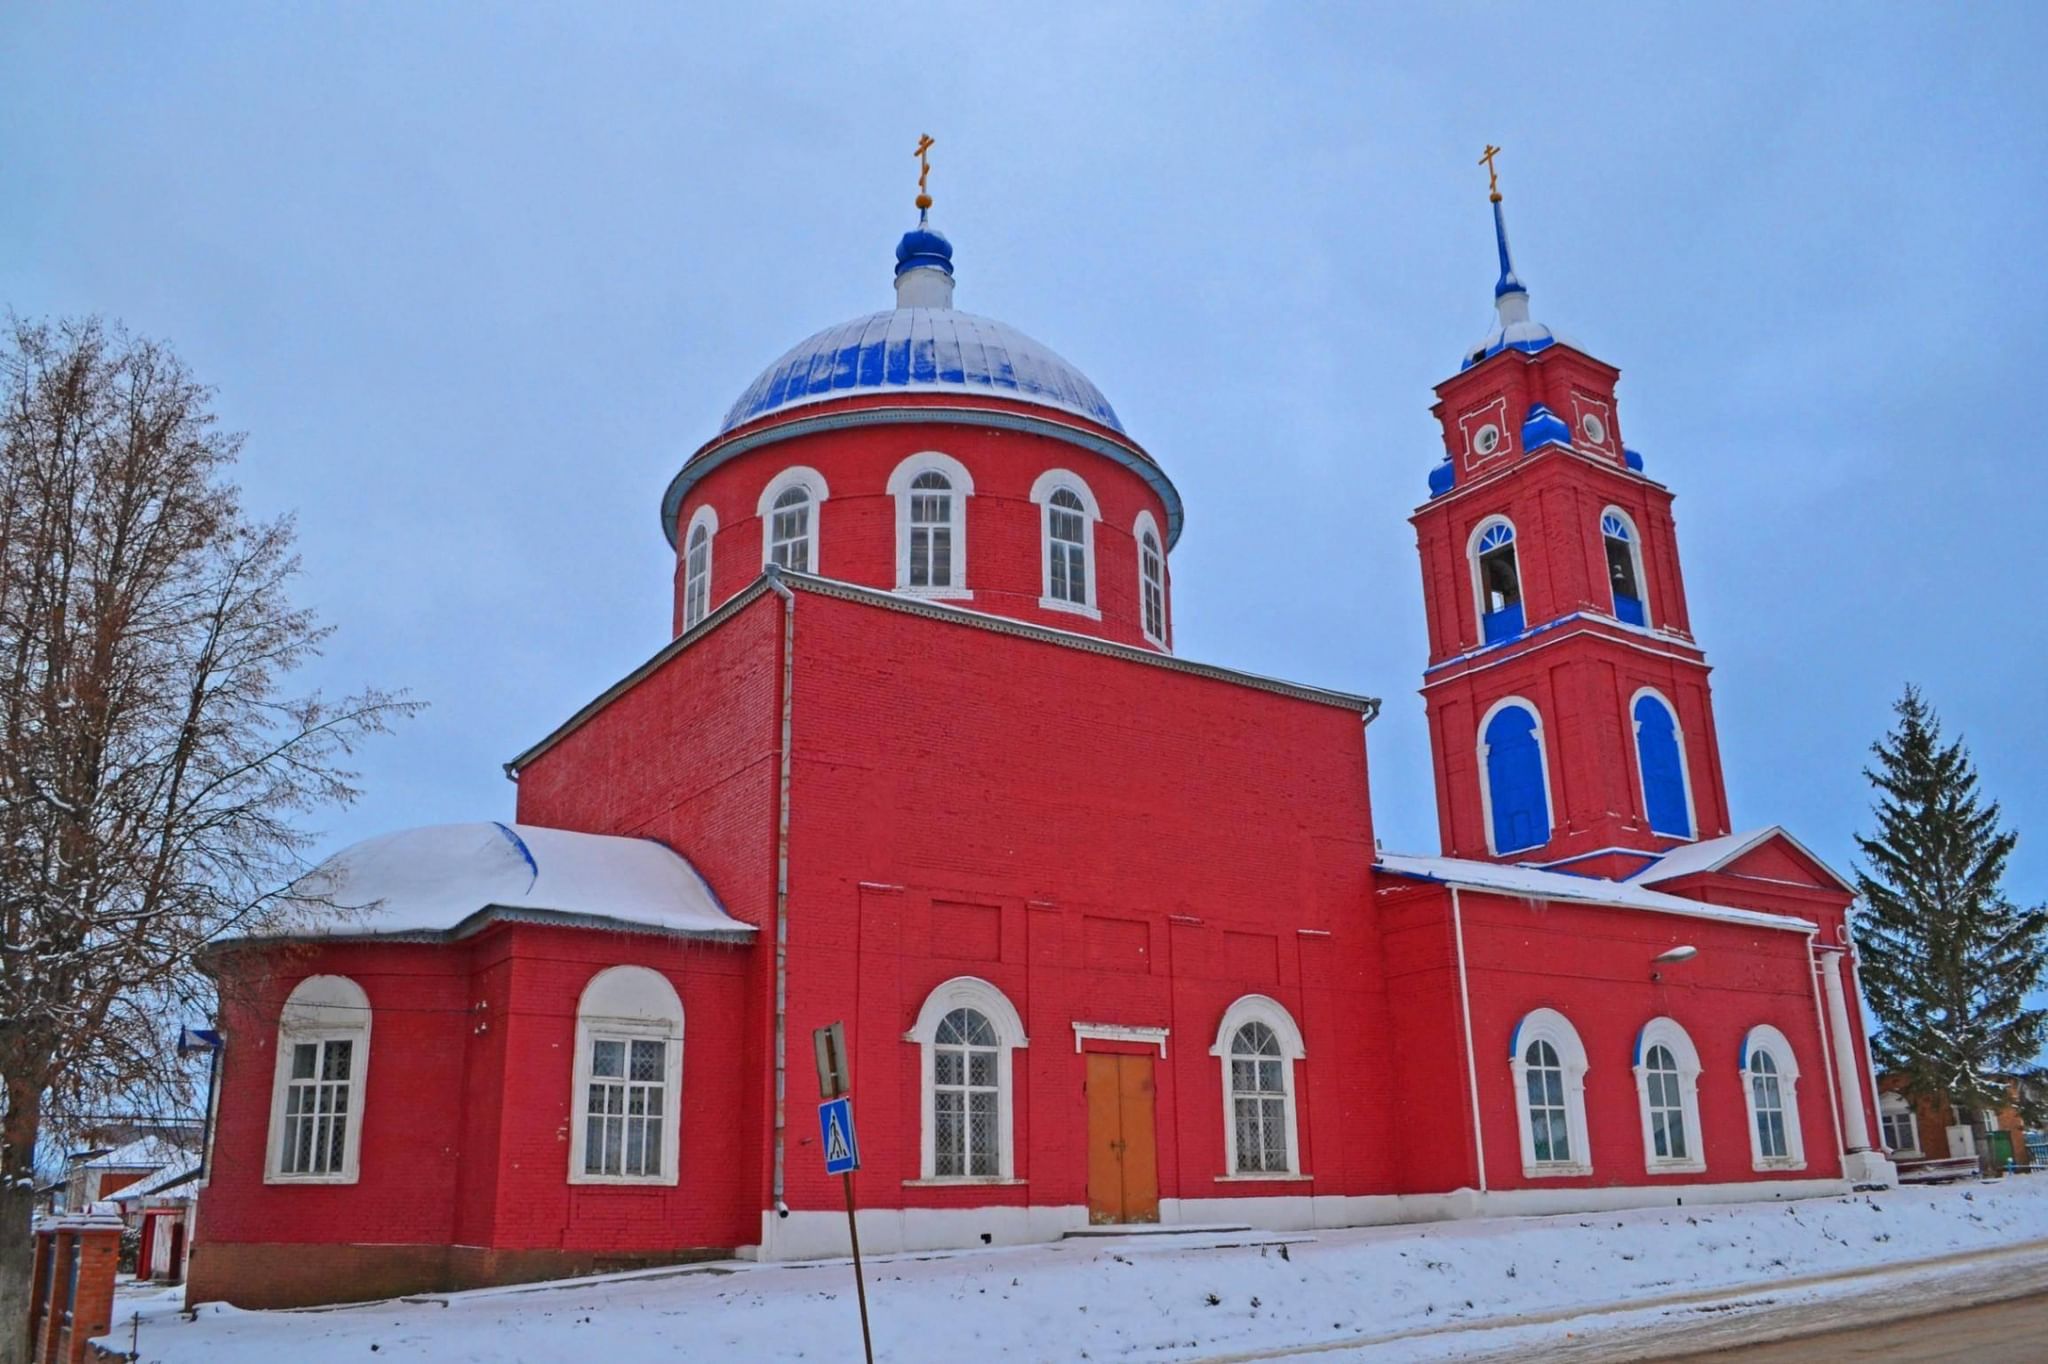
[
  {"x": 1712, "y": 854},
  {"x": 435, "y": 880},
  {"x": 171, "y": 1175},
  {"x": 921, "y": 350},
  {"x": 144, "y": 1153},
  {"x": 1533, "y": 883}
]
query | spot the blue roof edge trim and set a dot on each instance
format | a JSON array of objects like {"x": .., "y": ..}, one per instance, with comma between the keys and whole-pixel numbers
[
  {"x": 1526, "y": 347},
  {"x": 1544, "y": 427},
  {"x": 925, "y": 414}
]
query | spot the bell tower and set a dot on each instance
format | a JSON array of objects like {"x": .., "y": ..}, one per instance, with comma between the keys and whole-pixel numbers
[{"x": 1570, "y": 718}]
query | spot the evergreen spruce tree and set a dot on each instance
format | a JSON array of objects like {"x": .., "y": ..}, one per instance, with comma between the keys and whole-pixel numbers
[{"x": 1947, "y": 959}]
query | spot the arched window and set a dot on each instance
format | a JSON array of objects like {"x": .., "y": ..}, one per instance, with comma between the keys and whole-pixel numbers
[
  {"x": 966, "y": 1033},
  {"x": 697, "y": 566},
  {"x": 931, "y": 524},
  {"x": 1660, "y": 761},
  {"x": 1497, "y": 579},
  {"x": 1624, "y": 567},
  {"x": 1548, "y": 1064},
  {"x": 1516, "y": 777},
  {"x": 1259, "y": 1045},
  {"x": 628, "y": 1079},
  {"x": 1667, "y": 1087},
  {"x": 1151, "y": 580},
  {"x": 1069, "y": 517},
  {"x": 1770, "y": 1084},
  {"x": 1901, "y": 1124},
  {"x": 789, "y": 510},
  {"x": 316, "y": 1113}
]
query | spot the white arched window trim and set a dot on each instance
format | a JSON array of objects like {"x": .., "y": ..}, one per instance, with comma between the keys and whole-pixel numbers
[
  {"x": 900, "y": 479},
  {"x": 1666, "y": 1033},
  {"x": 1260, "y": 1009},
  {"x": 321, "y": 1011},
  {"x": 696, "y": 583},
  {"x": 1472, "y": 568},
  {"x": 1764, "y": 1037},
  {"x": 1481, "y": 747},
  {"x": 1692, "y": 816},
  {"x": 1548, "y": 1025},
  {"x": 1143, "y": 527},
  {"x": 628, "y": 1004},
  {"x": 1635, "y": 554},
  {"x": 1897, "y": 1120},
  {"x": 1048, "y": 483},
  {"x": 796, "y": 476},
  {"x": 969, "y": 992}
]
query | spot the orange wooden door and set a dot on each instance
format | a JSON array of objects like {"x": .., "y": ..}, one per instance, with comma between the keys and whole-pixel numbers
[{"x": 1123, "y": 1153}]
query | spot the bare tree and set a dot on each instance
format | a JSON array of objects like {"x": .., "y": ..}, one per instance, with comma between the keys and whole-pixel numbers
[{"x": 153, "y": 766}]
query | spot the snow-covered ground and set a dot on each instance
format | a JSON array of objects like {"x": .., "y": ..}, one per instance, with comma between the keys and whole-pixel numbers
[{"x": 1130, "y": 1298}]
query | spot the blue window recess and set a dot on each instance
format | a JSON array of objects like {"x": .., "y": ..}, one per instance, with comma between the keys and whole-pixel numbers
[
  {"x": 1500, "y": 584},
  {"x": 1514, "y": 781},
  {"x": 1663, "y": 771},
  {"x": 1619, "y": 538}
]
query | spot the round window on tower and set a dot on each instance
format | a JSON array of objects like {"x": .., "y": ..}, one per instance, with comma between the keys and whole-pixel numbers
[
  {"x": 1486, "y": 440},
  {"x": 1595, "y": 429}
]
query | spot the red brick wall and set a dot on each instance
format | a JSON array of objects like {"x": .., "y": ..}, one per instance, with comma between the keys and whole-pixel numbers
[
  {"x": 1105, "y": 843},
  {"x": 1593, "y": 966},
  {"x": 857, "y": 524},
  {"x": 466, "y": 1108}
]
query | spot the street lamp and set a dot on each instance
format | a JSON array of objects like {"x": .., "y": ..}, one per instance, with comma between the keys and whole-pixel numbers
[{"x": 1685, "y": 952}]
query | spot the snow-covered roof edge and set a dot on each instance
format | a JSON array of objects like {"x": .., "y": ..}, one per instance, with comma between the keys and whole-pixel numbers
[
  {"x": 1713, "y": 854},
  {"x": 436, "y": 883},
  {"x": 1531, "y": 883}
]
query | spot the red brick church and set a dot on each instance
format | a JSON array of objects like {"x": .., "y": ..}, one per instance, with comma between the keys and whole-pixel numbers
[{"x": 1108, "y": 927}]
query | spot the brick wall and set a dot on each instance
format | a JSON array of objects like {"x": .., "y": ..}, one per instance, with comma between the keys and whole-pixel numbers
[{"x": 856, "y": 527}]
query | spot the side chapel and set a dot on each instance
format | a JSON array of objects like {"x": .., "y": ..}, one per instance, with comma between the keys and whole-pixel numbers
[{"x": 1108, "y": 926}]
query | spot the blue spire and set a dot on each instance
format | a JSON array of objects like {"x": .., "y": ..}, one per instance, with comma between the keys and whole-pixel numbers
[
  {"x": 1514, "y": 330},
  {"x": 1510, "y": 282}
]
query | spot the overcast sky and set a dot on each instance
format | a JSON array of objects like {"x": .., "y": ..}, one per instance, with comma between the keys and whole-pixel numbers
[{"x": 475, "y": 281}]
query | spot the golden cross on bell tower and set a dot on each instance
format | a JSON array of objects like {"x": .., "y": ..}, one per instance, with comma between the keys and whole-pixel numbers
[
  {"x": 1492, "y": 176},
  {"x": 924, "y": 169}
]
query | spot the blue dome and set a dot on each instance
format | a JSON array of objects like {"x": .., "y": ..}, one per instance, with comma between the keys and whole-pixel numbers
[
  {"x": 924, "y": 246},
  {"x": 921, "y": 350}
]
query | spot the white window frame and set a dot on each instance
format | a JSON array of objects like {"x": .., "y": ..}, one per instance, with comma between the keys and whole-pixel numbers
[
  {"x": 900, "y": 480},
  {"x": 1479, "y": 587},
  {"x": 1143, "y": 527},
  {"x": 1269, "y": 1011},
  {"x": 696, "y": 587},
  {"x": 1548, "y": 1025},
  {"x": 1764, "y": 1037},
  {"x": 1668, "y": 1034},
  {"x": 968, "y": 992},
  {"x": 1892, "y": 1106},
  {"x": 1692, "y": 815},
  {"x": 1635, "y": 550},
  {"x": 1482, "y": 749},
  {"x": 321, "y": 1009},
  {"x": 625, "y": 1004},
  {"x": 1048, "y": 483},
  {"x": 813, "y": 482}
]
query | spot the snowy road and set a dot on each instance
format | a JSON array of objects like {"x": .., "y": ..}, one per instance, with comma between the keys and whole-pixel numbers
[{"x": 1641, "y": 1284}]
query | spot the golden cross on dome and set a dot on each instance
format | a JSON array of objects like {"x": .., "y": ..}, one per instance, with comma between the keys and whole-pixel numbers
[
  {"x": 924, "y": 169},
  {"x": 1492, "y": 176}
]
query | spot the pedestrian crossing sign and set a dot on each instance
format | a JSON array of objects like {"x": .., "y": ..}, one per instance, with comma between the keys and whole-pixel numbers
[{"x": 835, "y": 1126}]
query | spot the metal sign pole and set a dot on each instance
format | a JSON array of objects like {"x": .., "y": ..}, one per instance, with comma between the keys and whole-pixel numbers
[
  {"x": 841, "y": 1149},
  {"x": 860, "y": 1287}
]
